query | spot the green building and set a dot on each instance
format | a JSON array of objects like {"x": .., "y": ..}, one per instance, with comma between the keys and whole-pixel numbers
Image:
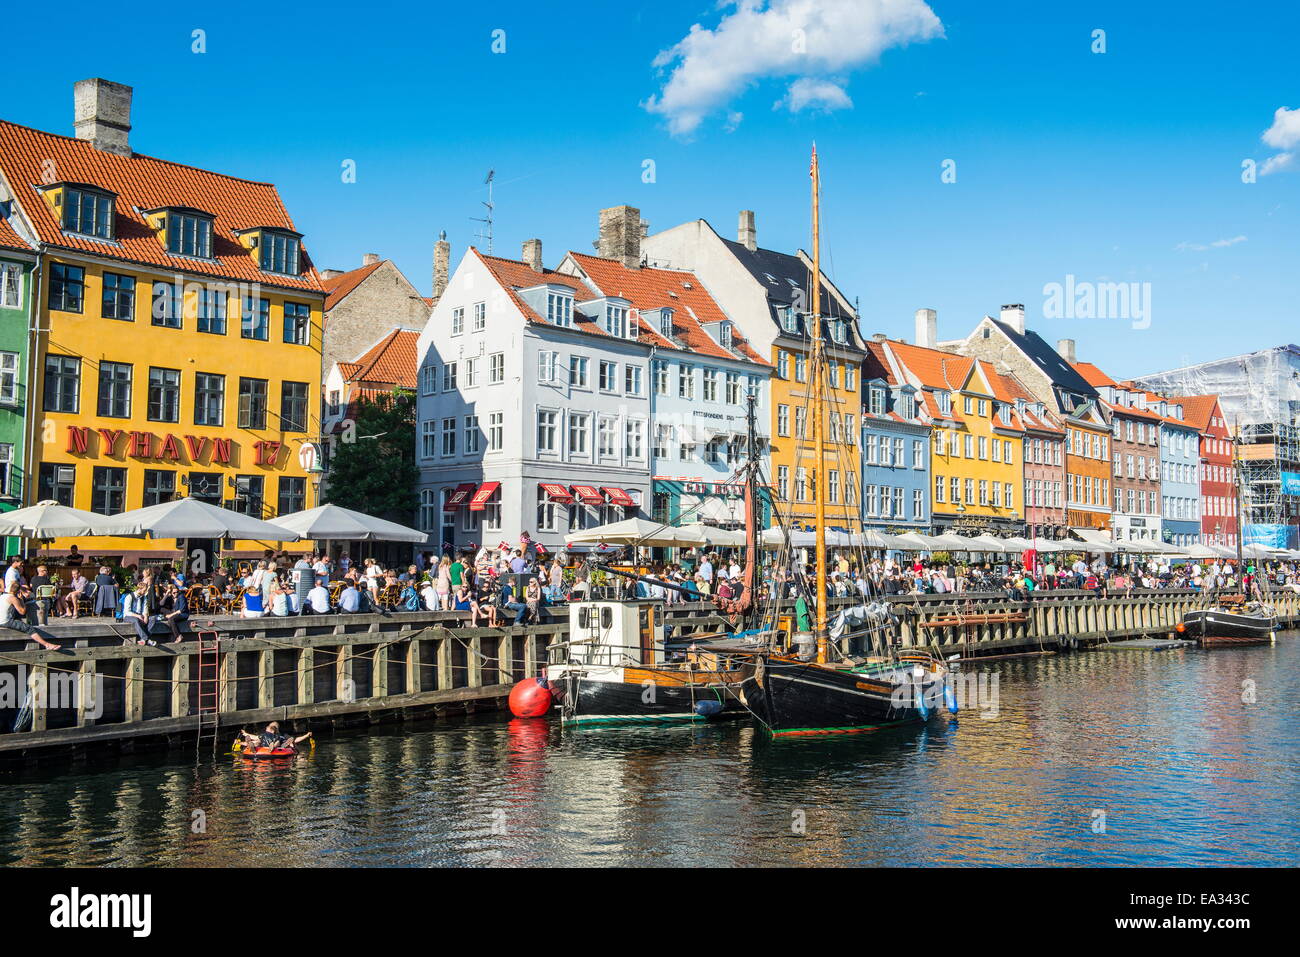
[{"x": 17, "y": 265}]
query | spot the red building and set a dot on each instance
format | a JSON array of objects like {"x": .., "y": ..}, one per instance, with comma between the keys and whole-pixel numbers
[{"x": 1218, "y": 480}]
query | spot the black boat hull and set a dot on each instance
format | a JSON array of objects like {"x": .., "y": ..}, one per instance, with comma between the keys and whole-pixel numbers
[
  {"x": 589, "y": 701},
  {"x": 1214, "y": 627},
  {"x": 796, "y": 698}
]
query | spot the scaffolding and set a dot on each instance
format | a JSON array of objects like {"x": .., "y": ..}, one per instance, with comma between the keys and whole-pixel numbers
[
  {"x": 1256, "y": 388},
  {"x": 1266, "y": 451}
]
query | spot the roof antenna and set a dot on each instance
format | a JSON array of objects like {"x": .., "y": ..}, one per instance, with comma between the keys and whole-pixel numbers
[{"x": 486, "y": 232}]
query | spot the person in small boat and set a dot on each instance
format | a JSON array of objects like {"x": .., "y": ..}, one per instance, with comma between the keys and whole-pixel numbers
[{"x": 272, "y": 738}]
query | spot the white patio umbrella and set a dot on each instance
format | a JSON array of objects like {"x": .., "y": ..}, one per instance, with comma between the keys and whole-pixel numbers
[
  {"x": 631, "y": 531},
  {"x": 701, "y": 534},
  {"x": 49, "y": 519},
  {"x": 191, "y": 518},
  {"x": 326, "y": 522}
]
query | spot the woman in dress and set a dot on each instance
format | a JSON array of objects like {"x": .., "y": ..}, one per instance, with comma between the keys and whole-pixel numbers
[{"x": 442, "y": 583}]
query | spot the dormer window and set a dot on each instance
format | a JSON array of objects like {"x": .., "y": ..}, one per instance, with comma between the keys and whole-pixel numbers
[
  {"x": 906, "y": 406},
  {"x": 189, "y": 233},
  {"x": 877, "y": 401},
  {"x": 724, "y": 335},
  {"x": 789, "y": 320},
  {"x": 88, "y": 212},
  {"x": 839, "y": 330},
  {"x": 559, "y": 309},
  {"x": 666, "y": 323},
  {"x": 279, "y": 252},
  {"x": 616, "y": 321},
  {"x": 945, "y": 402}
]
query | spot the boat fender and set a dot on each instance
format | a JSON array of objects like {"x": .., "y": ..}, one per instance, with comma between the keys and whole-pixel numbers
[
  {"x": 708, "y": 708},
  {"x": 950, "y": 697},
  {"x": 921, "y": 704},
  {"x": 1074, "y": 642},
  {"x": 530, "y": 698}
]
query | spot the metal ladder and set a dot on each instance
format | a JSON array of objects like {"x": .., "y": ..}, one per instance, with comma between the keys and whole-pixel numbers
[{"x": 209, "y": 681}]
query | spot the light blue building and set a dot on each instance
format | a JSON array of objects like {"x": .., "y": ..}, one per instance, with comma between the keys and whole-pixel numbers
[
  {"x": 1180, "y": 463},
  {"x": 895, "y": 452}
]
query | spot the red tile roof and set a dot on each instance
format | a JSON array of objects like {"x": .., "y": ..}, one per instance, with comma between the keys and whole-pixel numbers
[
  {"x": 514, "y": 275},
  {"x": 390, "y": 361},
  {"x": 651, "y": 288},
  {"x": 9, "y": 238},
  {"x": 936, "y": 369},
  {"x": 1092, "y": 375},
  {"x": 1197, "y": 409},
  {"x": 338, "y": 287},
  {"x": 141, "y": 183}
]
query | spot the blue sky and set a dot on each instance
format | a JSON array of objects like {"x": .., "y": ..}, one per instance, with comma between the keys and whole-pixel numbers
[{"x": 1117, "y": 166}]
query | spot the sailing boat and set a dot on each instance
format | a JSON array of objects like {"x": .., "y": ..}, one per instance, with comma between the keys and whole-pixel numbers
[
  {"x": 834, "y": 693},
  {"x": 1233, "y": 619},
  {"x": 618, "y": 665}
]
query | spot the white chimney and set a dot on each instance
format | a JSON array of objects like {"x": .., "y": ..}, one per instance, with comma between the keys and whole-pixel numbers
[
  {"x": 747, "y": 232},
  {"x": 1014, "y": 316},
  {"x": 927, "y": 328},
  {"x": 370, "y": 259},
  {"x": 441, "y": 264},
  {"x": 533, "y": 254},
  {"x": 1065, "y": 349},
  {"x": 102, "y": 114}
]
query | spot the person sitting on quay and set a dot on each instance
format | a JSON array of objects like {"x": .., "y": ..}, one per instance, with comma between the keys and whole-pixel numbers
[
  {"x": 66, "y": 605},
  {"x": 14, "y": 613},
  {"x": 135, "y": 609},
  {"x": 174, "y": 610},
  {"x": 349, "y": 599},
  {"x": 318, "y": 599}
]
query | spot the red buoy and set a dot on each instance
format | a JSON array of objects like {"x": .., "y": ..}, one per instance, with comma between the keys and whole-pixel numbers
[{"x": 530, "y": 698}]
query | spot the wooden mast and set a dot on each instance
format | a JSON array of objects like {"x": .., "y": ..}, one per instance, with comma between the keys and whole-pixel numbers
[
  {"x": 1241, "y": 518},
  {"x": 819, "y": 415}
]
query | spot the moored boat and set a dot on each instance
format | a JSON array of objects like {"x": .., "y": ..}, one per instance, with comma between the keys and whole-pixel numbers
[{"x": 1230, "y": 624}]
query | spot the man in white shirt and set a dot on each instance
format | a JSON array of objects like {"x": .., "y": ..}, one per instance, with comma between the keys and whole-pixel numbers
[
  {"x": 350, "y": 600},
  {"x": 706, "y": 569},
  {"x": 319, "y": 599},
  {"x": 14, "y": 573}
]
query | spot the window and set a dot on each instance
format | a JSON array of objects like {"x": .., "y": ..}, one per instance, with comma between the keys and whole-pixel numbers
[
  {"x": 449, "y": 377},
  {"x": 850, "y": 434},
  {"x": 918, "y": 505},
  {"x": 115, "y": 390},
  {"x": 800, "y": 422},
  {"x": 733, "y": 388},
  {"x": 297, "y": 322},
  {"x": 293, "y": 494},
  {"x": 710, "y": 385},
  {"x": 449, "y": 437},
  {"x": 832, "y": 486},
  {"x": 685, "y": 382},
  {"x": 472, "y": 434},
  {"x": 480, "y": 322},
  {"x": 67, "y": 287},
  {"x": 662, "y": 437},
  {"x": 918, "y": 454},
  {"x": 496, "y": 431},
  {"x": 546, "y": 430},
  {"x": 428, "y": 379},
  {"x": 577, "y": 372},
  {"x": 168, "y": 304},
  {"x": 938, "y": 488},
  {"x": 801, "y": 484},
  {"x": 6, "y": 469},
  {"x": 159, "y": 486},
  {"x": 632, "y": 379},
  {"x": 492, "y": 512},
  {"x": 429, "y": 511},
  {"x": 497, "y": 367},
  {"x": 782, "y": 364},
  {"x": 293, "y": 406},
  {"x": 616, "y": 321},
  {"x": 559, "y": 309},
  {"x": 800, "y": 367},
  {"x": 11, "y": 285},
  {"x": 608, "y": 376},
  {"x": 257, "y": 318},
  {"x": 428, "y": 438},
  {"x": 782, "y": 420},
  {"x": 984, "y": 448},
  {"x": 8, "y": 377},
  {"x": 88, "y": 213},
  {"x": 547, "y": 512},
  {"x": 660, "y": 372},
  {"x": 118, "y": 299},
  {"x": 458, "y": 320},
  {"x": 212, "y": 310},
  {"x": 248, "y": 494},
  {"x": 876, "y": 404},
  {"x": 579, "y": 432},
  {"x": 56, "y": 483},
  {"x": 209, "y": 398},
  {"x": 783, "y": 482},
  {"x": 278, "y": 252},
  {"x": 605, "y": 437},
  {"x": 62, "y": 384},
  {"x": 471, "y": 373},
  {"x": 189, "y": 235},
  {"x": 634, "y": 439},
  {"x": 252, "y": 403},
  {"x": 108, "y": 490}
]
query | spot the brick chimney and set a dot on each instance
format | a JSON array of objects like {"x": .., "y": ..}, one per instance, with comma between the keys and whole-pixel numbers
[
  {"x": 331, "y": 273},
  {"x": 102, "y": 114},
  {"x": 441, "y": 265},
  {"x": 620, "y": 235},
  {"x": 370, "y": 259},
  {"x": 533, "y": 254},
  {"x": 927, "y": 328},
  {"x": 1014, "y": 316},
  {"x": 1065, "y": 349},
  {"x": 747, "y": 232}
]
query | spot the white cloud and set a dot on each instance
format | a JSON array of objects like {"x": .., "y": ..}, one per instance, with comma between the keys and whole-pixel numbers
[
  {"x": 1217, "y": 244},
  {"x": 1283, "y": 135},
  {"x": 1275, "y": 163},
  {"x": 809, "y": 40},
  {"x": 810, "y": 93}
]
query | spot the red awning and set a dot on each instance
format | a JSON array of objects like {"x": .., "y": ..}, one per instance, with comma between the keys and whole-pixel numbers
[
  {"x": 588, "y": 495},
  {"x": 556, "y": 493},
  {"x": 457, "y": 498},
  {"x": 618, "y": 497},
  {"x": 485, "y": 491}
]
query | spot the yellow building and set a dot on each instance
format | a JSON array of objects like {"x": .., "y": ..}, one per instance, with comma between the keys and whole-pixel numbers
[
  {"x": 178, "y": 341},
  {"x": 976, "y": 467}
]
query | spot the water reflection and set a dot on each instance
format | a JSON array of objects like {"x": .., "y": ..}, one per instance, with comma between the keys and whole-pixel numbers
[{"x": 1184, "y": 770}]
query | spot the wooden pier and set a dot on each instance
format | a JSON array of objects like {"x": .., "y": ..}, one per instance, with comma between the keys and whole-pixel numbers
[{"x": 103, "y": 691}]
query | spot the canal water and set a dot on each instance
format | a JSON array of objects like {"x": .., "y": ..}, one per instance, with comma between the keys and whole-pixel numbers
[{"x": 1184, "y": 757}]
